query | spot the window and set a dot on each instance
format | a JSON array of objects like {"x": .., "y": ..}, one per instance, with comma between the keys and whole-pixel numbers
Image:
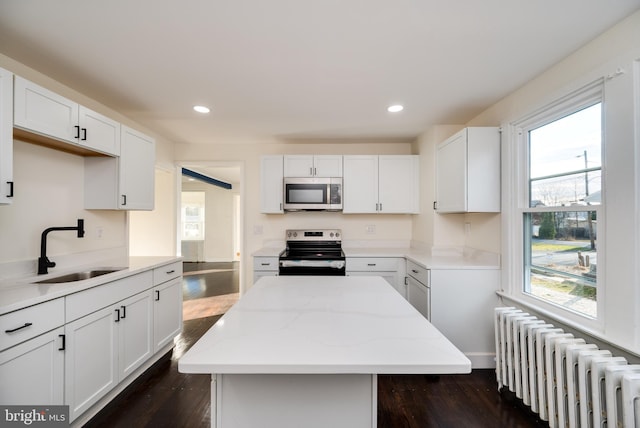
[
  {"x": 564, "y": 203},
  {"x": 192, "y": 216}
]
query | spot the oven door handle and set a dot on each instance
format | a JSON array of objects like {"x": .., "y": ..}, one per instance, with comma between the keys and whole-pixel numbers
[{"x": 335, "y": 264}]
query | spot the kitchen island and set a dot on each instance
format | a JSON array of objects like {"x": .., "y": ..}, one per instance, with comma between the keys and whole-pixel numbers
[{"x": 306, "y": 351}]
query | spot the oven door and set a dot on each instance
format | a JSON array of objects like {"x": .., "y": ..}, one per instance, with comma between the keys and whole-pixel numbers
[
  {"x": 317, "y": 267},
  {"x": 312, "y": 194}
]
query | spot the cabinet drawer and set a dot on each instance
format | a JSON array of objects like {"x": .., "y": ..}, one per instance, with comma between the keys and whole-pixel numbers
[
  {"x": 372, "y": 264},
  {"x": 30, "y": 322},
  {"x": 265, "y": 263},
  {"x": 85, "y": 302},
  {"x": 165, "y": 273},
  {"x": 418, "y": 272}
]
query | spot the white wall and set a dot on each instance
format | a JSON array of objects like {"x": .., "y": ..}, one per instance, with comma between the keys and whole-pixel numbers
[
  {"x": 49, "y": 192},
  {"x": 152, "y": 233},
  {"x": 219, "y": 220}
]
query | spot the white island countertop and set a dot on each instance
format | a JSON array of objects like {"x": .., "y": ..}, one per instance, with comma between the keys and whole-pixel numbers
[{"x": 323, "y": 325}]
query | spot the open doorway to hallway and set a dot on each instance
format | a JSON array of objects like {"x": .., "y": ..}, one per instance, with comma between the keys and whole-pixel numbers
[{"x": 209, "y": 231}]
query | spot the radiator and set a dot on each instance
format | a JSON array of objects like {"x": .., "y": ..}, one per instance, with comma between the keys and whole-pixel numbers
[{"x": 565, "y": 380}]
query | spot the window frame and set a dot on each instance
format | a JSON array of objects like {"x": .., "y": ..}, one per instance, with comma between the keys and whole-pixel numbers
[{"x": 518, "y": 204}]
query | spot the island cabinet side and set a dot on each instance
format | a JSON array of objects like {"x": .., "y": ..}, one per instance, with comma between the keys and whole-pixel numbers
[{"x": 294, "y": 400}]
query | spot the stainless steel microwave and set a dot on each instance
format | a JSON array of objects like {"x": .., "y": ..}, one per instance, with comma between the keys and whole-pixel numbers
[{"x": 313, "y": 193}]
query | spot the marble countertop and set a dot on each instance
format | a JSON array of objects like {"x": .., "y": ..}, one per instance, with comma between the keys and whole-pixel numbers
[
  {"x": 439, "y": 258},
  {"x": 322, "y": 325},
  {"x": 21, "y": 292}
]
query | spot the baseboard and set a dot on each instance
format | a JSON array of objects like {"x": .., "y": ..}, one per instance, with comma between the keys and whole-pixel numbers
[{"x": 482, "y": 360}]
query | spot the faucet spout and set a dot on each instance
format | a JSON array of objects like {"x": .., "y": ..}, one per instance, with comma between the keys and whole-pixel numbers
[{"x": 43, "y": 261}]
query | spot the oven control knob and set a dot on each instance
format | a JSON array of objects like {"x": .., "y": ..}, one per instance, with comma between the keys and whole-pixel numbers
[
  {"x": 295, "y": 234},
  {"x": 337, "y": 234},
  {"x": 331, "y": 234}
]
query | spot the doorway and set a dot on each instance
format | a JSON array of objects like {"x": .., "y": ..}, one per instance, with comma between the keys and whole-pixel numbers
[{"x": 210, "y": 236}]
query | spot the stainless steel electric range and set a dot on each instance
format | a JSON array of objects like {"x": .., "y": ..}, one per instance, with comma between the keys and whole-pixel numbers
[{"x": 313, "y": 252}]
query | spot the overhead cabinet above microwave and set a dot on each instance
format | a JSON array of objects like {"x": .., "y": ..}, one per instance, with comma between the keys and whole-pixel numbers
[
  {"x": 40, "y": 111},
  {"x": 312, "y": 165}
]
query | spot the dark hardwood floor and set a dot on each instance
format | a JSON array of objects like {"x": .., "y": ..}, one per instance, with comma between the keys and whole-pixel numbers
[{"x": 162, "y": 397}]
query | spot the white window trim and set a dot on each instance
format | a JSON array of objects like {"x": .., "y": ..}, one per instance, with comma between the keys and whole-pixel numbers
[{"x": 516, "y": 203}]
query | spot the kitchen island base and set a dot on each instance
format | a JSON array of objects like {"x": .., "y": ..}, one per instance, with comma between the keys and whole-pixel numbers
[{"x": 294, "y": 400}]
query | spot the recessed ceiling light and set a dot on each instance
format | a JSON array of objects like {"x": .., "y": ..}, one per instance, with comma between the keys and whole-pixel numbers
[
  {"x": 395, "y": 108},
  {"x": 201, "y": 109}
]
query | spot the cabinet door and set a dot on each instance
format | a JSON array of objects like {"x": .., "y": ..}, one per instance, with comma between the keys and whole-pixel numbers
[
  {"x": 271, "y": 184},
  {"x": 6, "y": 137},
  {"x": 451, "y": 174},
  {"x": 398, "y": 183},
  {"x": 360, "y": 184},
  {"x": 137, "y": 170},
  {"x": 419, "y": 295},
  {"x": 167, "y": 312},
  {"x": 99, "y": 132},
  {"x": 327, "y": 166},
  {"x": 298, "y": 166},
  {"x": 40, "y": 110},
  {"x": 33, "y": 372},
  {"x": 91, "y": 363},
  {"x": 135, "y": 333}
]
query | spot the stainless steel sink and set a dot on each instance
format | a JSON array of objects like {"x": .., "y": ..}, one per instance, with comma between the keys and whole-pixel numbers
[{"x": 77, "y": 276}]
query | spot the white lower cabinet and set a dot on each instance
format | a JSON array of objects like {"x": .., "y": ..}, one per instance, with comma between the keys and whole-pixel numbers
[
  {"x": 462, "y": 309},
  {"x": 91, "y": 365},
  {"x": 264, "y": 266},
  {"x": 33, "y": 372},
  {"x": 419, "y": 288},
  {"x": 390, "y": 268},
  {"x": 104, "y": 347},
  {"x": 167, "y": 312}
]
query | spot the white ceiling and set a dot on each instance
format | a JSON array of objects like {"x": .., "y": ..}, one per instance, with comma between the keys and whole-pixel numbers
[{"x": 298, "y": 69}]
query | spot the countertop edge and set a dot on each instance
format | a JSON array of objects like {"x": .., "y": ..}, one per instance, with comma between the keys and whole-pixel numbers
[{"x": 11, "y": 290}]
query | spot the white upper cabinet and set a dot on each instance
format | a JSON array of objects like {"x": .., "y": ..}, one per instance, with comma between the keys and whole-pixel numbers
[
  {"x": 313, "y": 166},
  {"x": 387, "y": 184},
  {"x": 6, "y": 137},
  {"x": 360, "y": 184},
  {"x": 99, "y": 132},
  {"x": 398, "y": 184},
  {"x": 271, "y": 184},
  {"x": 43, "y": 112},
  {"x": 126, "y": 182},
  {"x": 468, "y": 171}
]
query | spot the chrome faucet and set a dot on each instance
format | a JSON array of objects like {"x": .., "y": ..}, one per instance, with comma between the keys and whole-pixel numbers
[{"x": 43, "y": 261}]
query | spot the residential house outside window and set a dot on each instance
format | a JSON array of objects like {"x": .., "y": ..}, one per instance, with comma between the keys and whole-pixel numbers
[{"x": 563, "y": 211}]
